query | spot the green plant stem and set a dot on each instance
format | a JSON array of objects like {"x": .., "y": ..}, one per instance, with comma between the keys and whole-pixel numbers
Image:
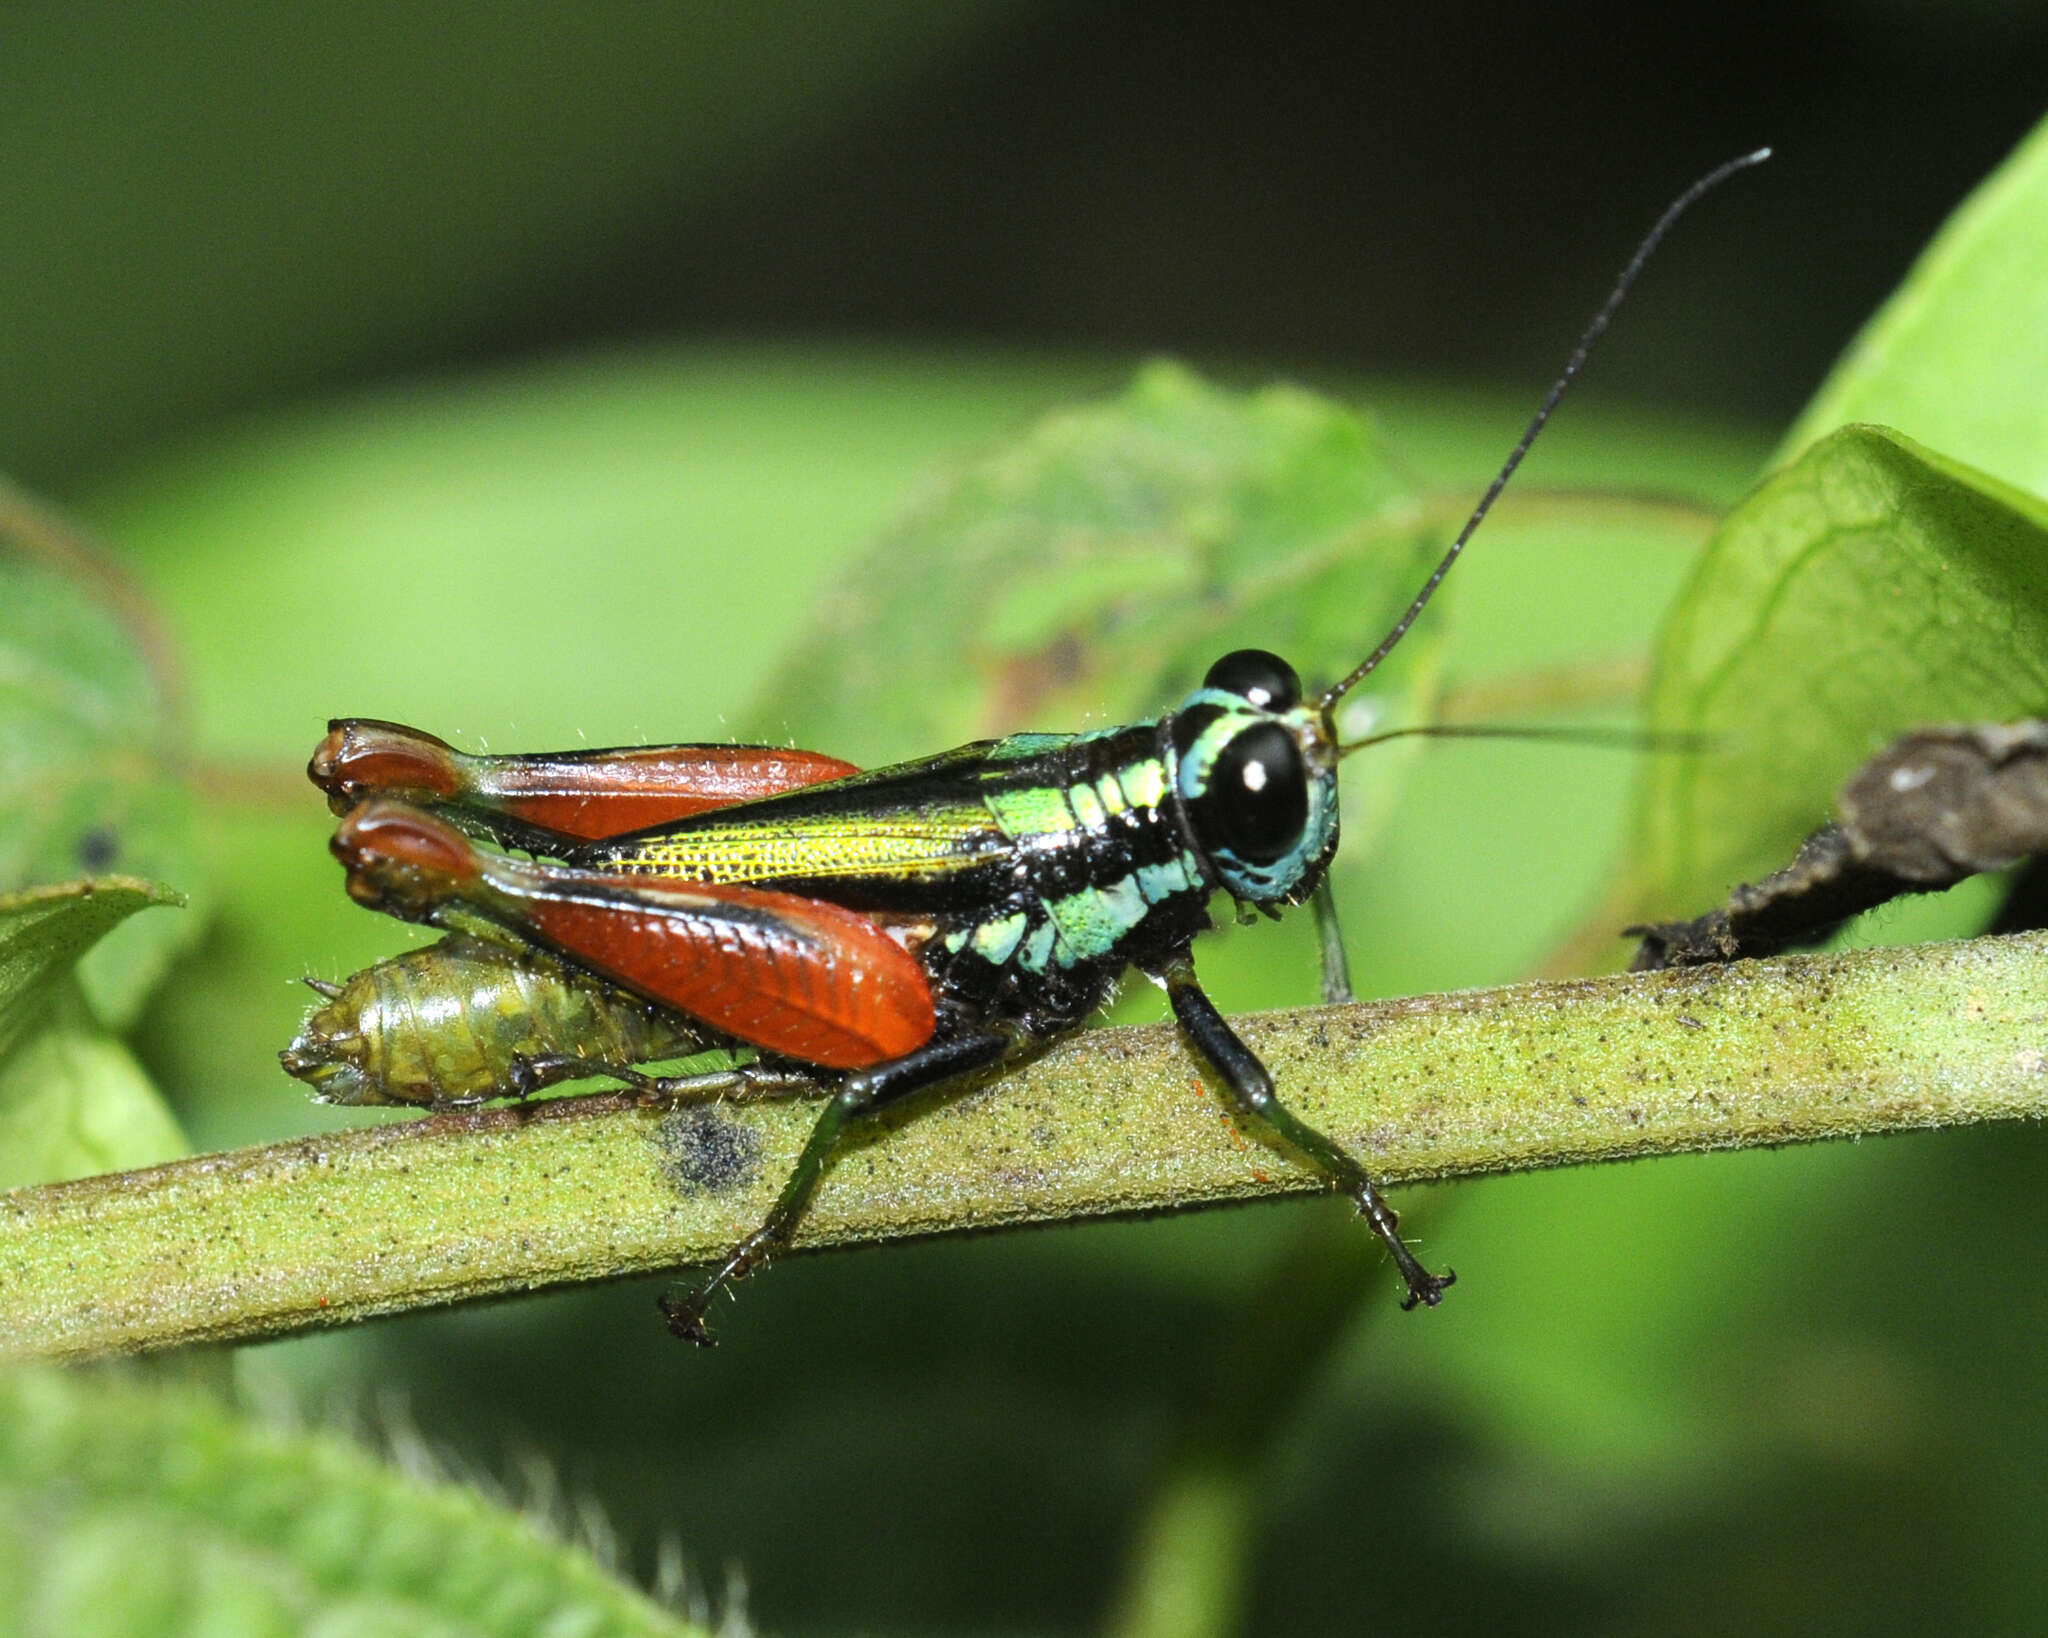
[
  {"x": 265, "y": 1242},
  {"x": 1189, "y": 1570}
]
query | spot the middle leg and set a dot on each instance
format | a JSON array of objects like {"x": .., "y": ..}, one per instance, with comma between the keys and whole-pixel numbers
[{"x": 861, "y": 1094}]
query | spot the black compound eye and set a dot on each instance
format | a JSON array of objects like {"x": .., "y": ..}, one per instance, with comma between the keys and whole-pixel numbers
[
  {"x": 1258, "y": 793},
  {"x": 1252, "y": 674}
]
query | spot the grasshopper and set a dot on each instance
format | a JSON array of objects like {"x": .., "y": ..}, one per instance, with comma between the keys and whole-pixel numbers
[{"x": 873, "y": 934}]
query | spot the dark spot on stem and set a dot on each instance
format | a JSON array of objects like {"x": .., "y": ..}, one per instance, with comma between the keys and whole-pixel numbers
[{"x": 706, "y": 1152}]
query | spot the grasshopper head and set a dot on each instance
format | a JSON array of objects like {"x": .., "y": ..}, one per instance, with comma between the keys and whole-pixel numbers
[{"x": 1256, "y": 773}]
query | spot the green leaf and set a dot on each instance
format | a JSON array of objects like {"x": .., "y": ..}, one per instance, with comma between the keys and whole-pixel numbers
[
  {"x": 45, "y": 931},
  {"x": 1957, "y": 357},
  {"x": 1097, "y": 564},
  {"x": 72, "y": 1100},
  {"x": 87, "y": 738},
  {"x": 127, "y": 1512},
  {"x": 1092, "y": 571},
  {"x": 613, "y": 547},
  {"x": 74, "y": 1103},
  {"x": 1870, "y": 587}
]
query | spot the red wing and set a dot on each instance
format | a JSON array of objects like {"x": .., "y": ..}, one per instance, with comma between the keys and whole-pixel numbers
[
  {"x": 796, "y": 976},
  {"x": 589, "y": 795},
  {"x": 791, "y": 975}
]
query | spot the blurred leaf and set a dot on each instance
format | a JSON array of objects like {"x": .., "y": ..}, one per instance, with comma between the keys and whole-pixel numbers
[
  {"x": 72, "y": 1100},
  {"x": 1870, "y": 587},
  {"x": 74, "y": 1103},
  {"x": 87, "y": 734},
  {"x": 281, "y": 198},
  {"x": 127, "y": 1513},
  {"x": 1092, "y": 571},
  {"x": 610, "y": 549},
  {"x": 1093, "y": 568},
  {"x": 1957, "y": 357}
]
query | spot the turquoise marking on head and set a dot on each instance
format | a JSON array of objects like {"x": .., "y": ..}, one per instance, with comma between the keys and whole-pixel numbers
[{"x": 1256, "y": 773}]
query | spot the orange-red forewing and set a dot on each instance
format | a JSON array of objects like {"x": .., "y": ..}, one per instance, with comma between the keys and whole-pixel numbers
[{"x": 790, "y": 975}]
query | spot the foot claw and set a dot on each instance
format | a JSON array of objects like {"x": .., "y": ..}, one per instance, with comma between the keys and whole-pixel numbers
[
  {"x": 686, "y": 1322},
  {"x": 1429, "y": 1291}
]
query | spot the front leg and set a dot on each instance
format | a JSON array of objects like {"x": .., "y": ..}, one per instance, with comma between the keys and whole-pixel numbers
[
  {"x": 1337, "y": 991},
  {"x": 1251, "y": 1088}
]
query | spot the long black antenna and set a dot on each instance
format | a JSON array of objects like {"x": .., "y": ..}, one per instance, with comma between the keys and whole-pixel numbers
[
  {"x": 1677, "y": 208},
  {"x": 1622, "y": 739}
]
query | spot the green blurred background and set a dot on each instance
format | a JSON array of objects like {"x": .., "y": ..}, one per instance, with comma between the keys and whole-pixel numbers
[{"x": 532, "y": 375}]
